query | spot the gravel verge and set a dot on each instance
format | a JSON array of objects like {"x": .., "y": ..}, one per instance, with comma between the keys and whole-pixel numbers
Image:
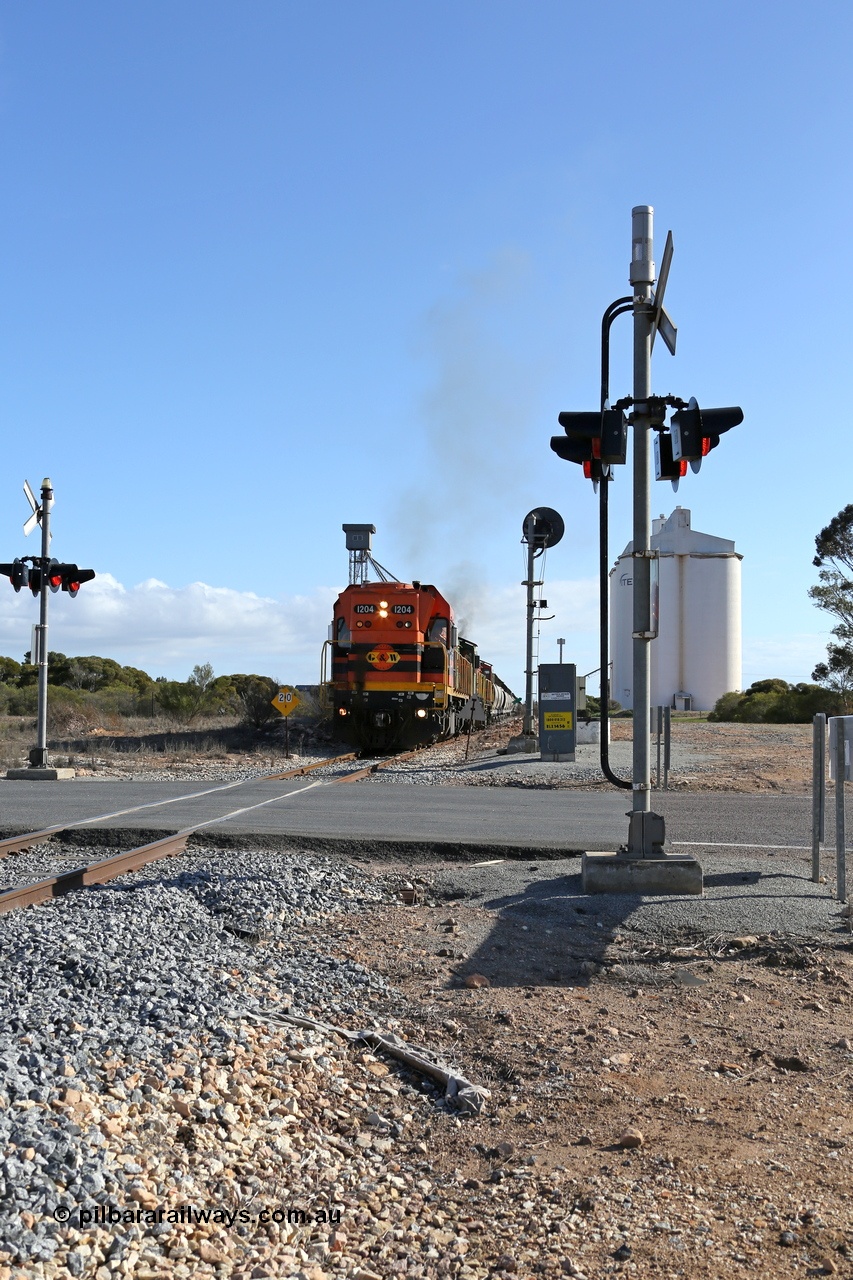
[{"x": 160, "y": 1116}]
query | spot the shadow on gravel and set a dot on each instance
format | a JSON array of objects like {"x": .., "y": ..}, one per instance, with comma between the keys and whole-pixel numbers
[
  {"x": 721, "y": 879},
  {"x": 508, "y": 763},
  {"x": 550, "y": 933},
  {"x": 228, "y": 738},
  {"x": 736, "y": 877}
]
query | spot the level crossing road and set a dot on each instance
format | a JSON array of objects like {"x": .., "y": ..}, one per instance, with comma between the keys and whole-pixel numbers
[{"x": 492, "y": 817}]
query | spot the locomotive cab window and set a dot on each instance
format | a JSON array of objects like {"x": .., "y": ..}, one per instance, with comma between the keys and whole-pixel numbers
[
  {"x": 438, "y": 630},
  {"x": 342, "y": 631}
]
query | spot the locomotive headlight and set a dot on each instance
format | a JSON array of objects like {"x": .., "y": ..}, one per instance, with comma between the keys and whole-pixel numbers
[
  {"x": 383, "y": 613},
  {"x": 420, "y": 713},
  {"x": 383, "y": 604},
  {"x": 342, "y": 711}
]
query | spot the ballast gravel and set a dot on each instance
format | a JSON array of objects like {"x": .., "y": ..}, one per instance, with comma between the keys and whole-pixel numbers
[
  {"x": 445, "y": 765},
  {"x": 104, "y": 992}
]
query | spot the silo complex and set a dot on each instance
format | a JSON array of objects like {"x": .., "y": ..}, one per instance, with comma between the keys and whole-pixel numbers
[{"x": 696, "y": 657}]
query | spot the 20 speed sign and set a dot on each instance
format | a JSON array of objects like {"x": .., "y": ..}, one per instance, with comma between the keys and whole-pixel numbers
[{"x": 286, "y": 700}]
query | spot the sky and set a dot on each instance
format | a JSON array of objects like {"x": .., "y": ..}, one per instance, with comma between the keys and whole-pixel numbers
[{"x": 268, "y": 268}]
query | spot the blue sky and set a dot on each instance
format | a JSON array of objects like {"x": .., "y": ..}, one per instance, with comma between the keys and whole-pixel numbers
[{"x": 270, "y": 267}]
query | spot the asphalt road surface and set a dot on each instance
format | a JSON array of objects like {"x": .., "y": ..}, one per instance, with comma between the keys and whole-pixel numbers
[
  {"x": 498, "y": 817},
  {"x": 754, "y": 850}
]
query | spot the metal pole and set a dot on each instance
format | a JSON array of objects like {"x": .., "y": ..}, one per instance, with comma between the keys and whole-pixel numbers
[
  {"x": 667, "y": 744},
  {"x": 841, "y": 750},
  {"x": 39, "y": 757},
  {"x": 561, "y": 640},
  {"x": 657, "y": 721},
  {"x": 818, "y": 790},
  {"x": 529, "y": 530},
  {"x": 642, "y": 275}
]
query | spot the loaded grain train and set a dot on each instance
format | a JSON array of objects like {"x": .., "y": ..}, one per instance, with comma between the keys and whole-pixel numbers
[{"x": 398, "y": 672}]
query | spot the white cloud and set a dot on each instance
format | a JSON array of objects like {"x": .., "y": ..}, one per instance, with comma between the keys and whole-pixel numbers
[{"x": 168, "y": 630}]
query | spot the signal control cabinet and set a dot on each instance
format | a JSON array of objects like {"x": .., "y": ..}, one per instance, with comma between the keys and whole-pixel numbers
[{"x": 557, "y": 710}]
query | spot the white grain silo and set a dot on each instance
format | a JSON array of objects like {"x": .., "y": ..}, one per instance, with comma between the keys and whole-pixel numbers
[{"x": 696, "y": 657}]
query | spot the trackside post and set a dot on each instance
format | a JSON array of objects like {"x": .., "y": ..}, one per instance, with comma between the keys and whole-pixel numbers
[{"x": 818, "y": 790}]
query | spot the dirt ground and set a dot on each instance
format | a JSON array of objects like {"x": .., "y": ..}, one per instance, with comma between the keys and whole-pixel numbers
[
  {"x": 658, "y": 1110},
  {"x": 667, "y": 1110},
  {"x": 681, "y": 1110},
  {"x": 749, "y": 757}
]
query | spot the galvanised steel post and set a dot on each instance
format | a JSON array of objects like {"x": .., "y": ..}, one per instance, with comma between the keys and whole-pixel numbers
[
  {"x": 40, "y": 759},
  {"x": 818, "y": 790},
  {"x": 529, "y": 533},
  {"x": 642, "y": 277}
]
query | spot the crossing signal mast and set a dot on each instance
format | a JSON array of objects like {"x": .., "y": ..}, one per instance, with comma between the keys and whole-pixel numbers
[
  {"x": 40, "y": 574},
  {"x": 597, "y": 442}
]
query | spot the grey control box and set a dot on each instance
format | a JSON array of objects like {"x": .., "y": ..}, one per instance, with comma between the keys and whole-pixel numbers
[{"x": 557, "y": 710}]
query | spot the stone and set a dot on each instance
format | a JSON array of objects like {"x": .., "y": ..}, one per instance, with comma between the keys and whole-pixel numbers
[
  {"x": 144, "y": 1198},
  {"x": 475, "y": 980},
  {"x": 630, "y": 1138}
]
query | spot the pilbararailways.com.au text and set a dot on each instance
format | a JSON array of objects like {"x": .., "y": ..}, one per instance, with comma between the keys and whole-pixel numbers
[{"x": 108, "y": 1215}]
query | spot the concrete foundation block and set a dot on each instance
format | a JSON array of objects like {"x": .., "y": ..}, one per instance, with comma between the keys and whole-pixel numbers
[
  {"x": 527, "y": 743},
  {"x": 618, "y": 873},
  {"x": 41, "y": 775},
  {"x": 588, "y": 733}
]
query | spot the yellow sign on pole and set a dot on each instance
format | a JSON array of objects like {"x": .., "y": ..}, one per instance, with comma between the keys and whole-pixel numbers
[{"x": 286, "y": 700}]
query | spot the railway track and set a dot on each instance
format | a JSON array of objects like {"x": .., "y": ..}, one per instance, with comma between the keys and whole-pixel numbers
[{"x": 106, "y": 869}]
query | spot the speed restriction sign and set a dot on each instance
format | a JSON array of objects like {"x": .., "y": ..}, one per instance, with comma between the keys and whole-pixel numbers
[{"x": 286, "y": 700}]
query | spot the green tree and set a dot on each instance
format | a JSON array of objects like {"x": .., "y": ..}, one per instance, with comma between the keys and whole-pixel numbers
[
  {"x": 837, "y": 672},
  {"x": 10, "y": 671},
  {"x": 138, "y": 680},
  {"x": 775, "y": 702},
  {"x": 90, "y": 673},
  {"x": 255, "y": 695},
  {"x": 184, "y": 701},
  {"x": 834, "y": 593},
  {"x": 177, "y": 700}
]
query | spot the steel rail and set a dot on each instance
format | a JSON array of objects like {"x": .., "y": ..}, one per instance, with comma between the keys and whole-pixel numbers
[
  {"x": 118, "y": 864},
  {"x": 17, "y": 844},
  {"x": 95, "y": 873}
]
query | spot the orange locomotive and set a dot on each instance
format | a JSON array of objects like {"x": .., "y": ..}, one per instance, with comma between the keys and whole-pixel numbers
[{"x": 400, "y": 674}]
